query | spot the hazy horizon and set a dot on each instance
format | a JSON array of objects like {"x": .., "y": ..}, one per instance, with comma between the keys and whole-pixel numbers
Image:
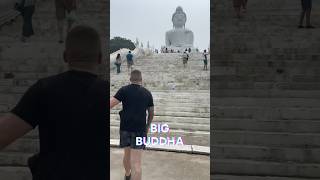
[{"x": 149, "y": 20}]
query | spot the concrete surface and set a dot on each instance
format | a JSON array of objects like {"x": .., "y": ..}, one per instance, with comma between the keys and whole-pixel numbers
[{"x": 159, "y": 165}]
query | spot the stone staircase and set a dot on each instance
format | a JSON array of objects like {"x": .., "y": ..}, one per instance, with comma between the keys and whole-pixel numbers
[
  {"x": 181, "y": 95},
  {"x": 266, "y": 91},
  {"x": 22, "y": 64}
]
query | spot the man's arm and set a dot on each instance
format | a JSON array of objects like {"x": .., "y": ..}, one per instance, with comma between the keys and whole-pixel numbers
[
  {"x": 113, "y": 102},
  {"x": 11, "y": 128},
  {"x": 150, "y": 117}
]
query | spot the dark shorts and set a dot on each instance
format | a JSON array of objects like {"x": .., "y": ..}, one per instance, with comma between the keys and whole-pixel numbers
[
  {"x": 306, "y": 4},
  {"x": 185, "y": 61},
  {"x": 128, "y": 139},
  {"x": 130, "y": 63},
  {"x": 62, "y": 7},
  {"x": 205, "y": 61}
]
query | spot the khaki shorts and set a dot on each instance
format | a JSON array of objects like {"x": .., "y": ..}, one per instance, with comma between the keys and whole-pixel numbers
[{"x": 62, "y": 7}]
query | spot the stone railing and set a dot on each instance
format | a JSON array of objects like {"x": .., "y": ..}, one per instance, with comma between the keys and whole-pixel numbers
[
  {"x": 137, "y": 53},
  {"x": 7, "y": 13}
]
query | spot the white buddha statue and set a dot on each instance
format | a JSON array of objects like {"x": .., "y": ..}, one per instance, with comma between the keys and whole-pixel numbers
[{"x": 179, "y": 37}]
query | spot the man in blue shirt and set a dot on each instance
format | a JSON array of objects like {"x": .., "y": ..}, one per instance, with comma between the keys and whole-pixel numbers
[{"x": 129, "y": 61}]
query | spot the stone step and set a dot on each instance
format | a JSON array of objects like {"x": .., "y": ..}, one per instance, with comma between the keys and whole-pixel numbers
[
  {"x": 14, "y": 158},
  {"x": 169, "y": 113},
  {"x": 239, "y": 177},
  {"x": 267, "y": 102},
  {"x": 271, "y": 93},
  {"x": 269, "y": 154},
  {"x": 178, "y": 110},
  {"x": 289, "y": 126},
  {"x": 263, "y": 168},
  {"x": 172, "y": 119},
  {"x": 185, "y": 126},
  {"x": 201, "y": 138},
  {"x": 267, "y": 113},
  {"x": 26, "y": 145},
  {"x": 15, "y": 173},
  {"x": 269, "y": 139},
  {"x": 267, "y": 85}
]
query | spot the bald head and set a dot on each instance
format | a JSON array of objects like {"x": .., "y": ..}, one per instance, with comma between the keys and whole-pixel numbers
[{"x": 83, "y": 46}]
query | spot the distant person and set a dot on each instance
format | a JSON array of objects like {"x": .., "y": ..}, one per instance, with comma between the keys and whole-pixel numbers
[
  {"x": 244, "y": 5},
  {"x": 118, "y": 63},
  {"x": 70, "y": 111},
  {"x": 189, "y": 50},
  {"x": 205, "y": 60},
  {"x": 65, "y": 8},
  {"x": 136, "y": 100},
  {"x": 129, "y": 61},
  {"x": 26, "y": 8},
  {"x": 306, "y": 11},
  {"x": 239, "y": 5},
  {"x": 185, "y": 58}
]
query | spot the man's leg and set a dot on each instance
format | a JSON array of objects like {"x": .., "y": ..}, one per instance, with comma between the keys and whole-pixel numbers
[
  {"x": 302, "y": 17},
  {"x": 308, "y": 18},
  {"x": 126, "y": 161},
  {"x": 136, "y": 169}
]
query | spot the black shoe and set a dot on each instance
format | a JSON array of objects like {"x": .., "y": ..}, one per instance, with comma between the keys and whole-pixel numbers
[
  {"x": 300, "y": 26},
  {"x": 127, "y": 177},
  {"x": 310, "y": 27}
]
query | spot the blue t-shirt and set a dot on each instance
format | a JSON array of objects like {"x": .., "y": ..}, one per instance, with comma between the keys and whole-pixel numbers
[{"x": 129, "y": 57}]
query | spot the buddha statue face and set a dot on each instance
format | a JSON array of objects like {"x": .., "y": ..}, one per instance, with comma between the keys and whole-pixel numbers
[{"x": 179, "y": 18}]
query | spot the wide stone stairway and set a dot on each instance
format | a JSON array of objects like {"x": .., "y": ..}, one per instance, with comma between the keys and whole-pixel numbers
[
  {"x": 266, "y": 92},
  {"x": 181, "y": 95},
  {"x": 22, "y": 64}
]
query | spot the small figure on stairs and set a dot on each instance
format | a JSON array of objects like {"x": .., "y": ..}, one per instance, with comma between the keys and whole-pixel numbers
[
  {"x": 306, "y": 11},
  {"x": 238, "y": 4},
  {"x": 205, "y": 60},
  {"x": 185, "y": 58},
  {"x": 65, "y": 9},
  {"x": 26, "y": 8},
  {"x": 118, "y": 63},
  {"x": 129, "y": 61}
]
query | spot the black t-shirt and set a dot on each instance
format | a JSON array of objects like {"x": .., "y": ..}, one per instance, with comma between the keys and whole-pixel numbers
[
  {"x": 135, "y": 101},
  {"x": 72, "y": 114}
]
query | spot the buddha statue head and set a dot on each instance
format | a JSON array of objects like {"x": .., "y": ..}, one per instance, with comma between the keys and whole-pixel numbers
[{"x": 179, "y": 18}]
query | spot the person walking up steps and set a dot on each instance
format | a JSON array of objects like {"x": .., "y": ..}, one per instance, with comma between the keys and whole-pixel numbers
[
  {"x": 129, "y": 61},
  {"x": 306, "y": 11},
  {"x": 238, "y": 4},
  {"x": 65, "y": 8},
  {"x": 26, "y": 8},
  {"x": 136, "y": 100},
  {"x": 118, "y": 63},
  {"x": 205, "y": 60},
  {"x": 185, "y": 58}
]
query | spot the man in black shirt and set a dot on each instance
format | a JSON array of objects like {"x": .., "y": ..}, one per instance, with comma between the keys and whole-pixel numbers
[
  {"x": 136, "y": 100},
  {"x": 70, "y": 110}
]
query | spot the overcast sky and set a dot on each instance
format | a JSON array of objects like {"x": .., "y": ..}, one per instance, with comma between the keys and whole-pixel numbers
[{"x": 148, "y": 20}]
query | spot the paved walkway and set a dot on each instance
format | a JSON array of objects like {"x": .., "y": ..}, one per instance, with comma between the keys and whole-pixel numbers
[{"x": 158, "y": 165}]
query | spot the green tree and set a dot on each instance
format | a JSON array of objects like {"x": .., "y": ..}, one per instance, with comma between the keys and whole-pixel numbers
[{"x": 117, "y": 43}]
